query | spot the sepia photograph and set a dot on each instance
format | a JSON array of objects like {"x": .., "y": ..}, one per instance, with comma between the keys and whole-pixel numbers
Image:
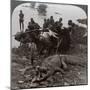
[{"x": 49, "y": 46}]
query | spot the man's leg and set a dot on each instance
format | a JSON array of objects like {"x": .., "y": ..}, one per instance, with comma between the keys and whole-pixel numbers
[
  {"x": 32, "y": 57},
  {"x": 22, "y": 26}
]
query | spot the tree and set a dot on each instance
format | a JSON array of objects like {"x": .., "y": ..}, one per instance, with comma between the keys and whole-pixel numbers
[
  {"x": 42, "y": 9},
  {"x": 33, "y": 4}
]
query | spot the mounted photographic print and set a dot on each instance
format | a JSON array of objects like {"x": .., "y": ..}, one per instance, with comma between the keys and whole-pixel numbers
[{"x": 48, "y": 44}]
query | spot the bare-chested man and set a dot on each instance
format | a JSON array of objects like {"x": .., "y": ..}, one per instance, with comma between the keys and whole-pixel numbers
[{"x": 21, "y": 20}]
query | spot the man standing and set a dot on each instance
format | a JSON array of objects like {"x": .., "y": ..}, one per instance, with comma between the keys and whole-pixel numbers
[
  {"x": 45, "y": 24},
  {"x": 51, "y": 20},
  {"x": 21, "y": 20},
  {"x": 33, "y": 48}
]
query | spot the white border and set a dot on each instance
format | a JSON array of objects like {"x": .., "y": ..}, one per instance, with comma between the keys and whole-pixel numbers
[
  {"x": 62, "y": 1},
  {"x": 5, "y": 43}
]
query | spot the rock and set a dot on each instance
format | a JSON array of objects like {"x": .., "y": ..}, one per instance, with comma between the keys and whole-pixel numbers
[
  {"x": 79, "y": 73},
  {"x": 24, "y": 58},
  {"x": 22, "y": 71},
  {"x": 33, "y": 84},
  {"x": 20, "y": 82},
  {"x": 66, "y": 84},
  {"x": 14, "y": 88}
]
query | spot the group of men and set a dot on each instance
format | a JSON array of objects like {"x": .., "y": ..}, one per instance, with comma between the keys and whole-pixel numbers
[
  {"x": 32, "y": 25},
  {"x": 48, "y": 23},
  {"x": 51, "y": 24},
  {"x": 55, "y": 26}
]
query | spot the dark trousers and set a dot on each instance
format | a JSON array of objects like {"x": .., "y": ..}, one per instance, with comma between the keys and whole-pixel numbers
[{"x": 21, "y": 25}]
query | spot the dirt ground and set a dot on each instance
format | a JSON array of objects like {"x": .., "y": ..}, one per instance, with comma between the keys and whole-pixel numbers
[{"x": 75, "y": 75}]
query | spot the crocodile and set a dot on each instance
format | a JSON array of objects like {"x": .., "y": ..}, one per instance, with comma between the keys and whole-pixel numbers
[{"x": 56, "y": 63}]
